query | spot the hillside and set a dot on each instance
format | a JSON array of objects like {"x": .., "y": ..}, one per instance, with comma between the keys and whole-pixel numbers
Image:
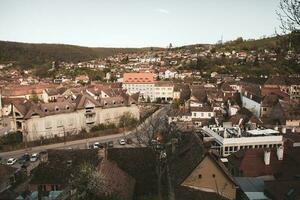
[
  {"x": 26, "y": 54},
  {"x": 275, "y": 43}
]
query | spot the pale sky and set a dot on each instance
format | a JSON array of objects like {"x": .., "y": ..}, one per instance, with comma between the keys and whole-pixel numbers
[{"x": 135, "y": 23}]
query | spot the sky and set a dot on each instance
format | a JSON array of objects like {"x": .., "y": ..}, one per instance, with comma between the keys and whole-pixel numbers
[{"x": 136, "y": 23}]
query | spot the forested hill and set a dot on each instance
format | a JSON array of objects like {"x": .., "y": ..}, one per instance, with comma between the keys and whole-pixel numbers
[{"x": 27, "y": 54}]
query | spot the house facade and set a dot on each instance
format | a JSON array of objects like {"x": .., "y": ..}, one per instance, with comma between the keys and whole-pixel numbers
[{"x": 58, "y": 119}]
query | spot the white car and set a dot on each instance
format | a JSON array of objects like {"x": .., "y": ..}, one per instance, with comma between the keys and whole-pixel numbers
[
  {"x": 11, "y": 161},
  {"x": 96, "y": 145},
  {"x": 34, "y": 157},
  {"x": 122, "y": 142}
]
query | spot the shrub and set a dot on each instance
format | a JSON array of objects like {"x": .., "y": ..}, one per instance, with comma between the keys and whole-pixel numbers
[
  {"x": 12, "y": 138},
  {"x": 101, "y": 127}
]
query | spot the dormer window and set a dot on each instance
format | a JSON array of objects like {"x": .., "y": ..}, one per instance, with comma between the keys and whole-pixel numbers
[
  {"x": 56, "y": 108},
  {"x": 105, "y": 103},
  {"x": 114, "y": 102},
  {"x": 122, "y": 102},
  {"x": 46, "y": 110},
  {"x": 67, "y": 107}
]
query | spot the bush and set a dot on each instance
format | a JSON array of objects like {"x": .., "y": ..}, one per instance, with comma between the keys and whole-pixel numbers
[
  {"x": 101, "y": 127},
  {"x": 12, "y": 138}
]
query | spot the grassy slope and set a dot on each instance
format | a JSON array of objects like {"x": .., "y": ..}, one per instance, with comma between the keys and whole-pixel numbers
[{"x": 38, "y": 54}]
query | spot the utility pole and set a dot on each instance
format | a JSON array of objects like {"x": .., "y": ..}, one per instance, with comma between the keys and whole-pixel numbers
[
  {"x": 64, "y": 135},
  {"x": 124, "y": 128},
  {"x": 25, "y": 134}
]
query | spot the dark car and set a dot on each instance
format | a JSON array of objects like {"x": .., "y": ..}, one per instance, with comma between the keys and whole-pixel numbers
[
  {"x": 25, "y": 158},
  {"x": 110, "y": 144},
  {"x": 129, "y": 141}
]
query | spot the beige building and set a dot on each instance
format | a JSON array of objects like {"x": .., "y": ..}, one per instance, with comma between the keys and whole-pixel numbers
[
  {"x": 163, "y": 90},
  {"x": 46, "y": 120},
  {"x": 210, "y": 175}
]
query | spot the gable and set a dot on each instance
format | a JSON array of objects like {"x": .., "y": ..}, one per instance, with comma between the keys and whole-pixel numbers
[
  {"x": 209, "y": 177},
  {"x": 88, "y": 104}
]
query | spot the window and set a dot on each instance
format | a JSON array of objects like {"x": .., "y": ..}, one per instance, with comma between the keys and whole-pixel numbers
[
  {"x": 209, "y": 114},
  {"x": 200, "y": 176},
  {"x": 59, "y": 123},
  {"x": 71, "y": 121},
  {"x": 48, "y": 125},
  {"x": 194, "y": 114},
  {"x": 213, "y": 175}
]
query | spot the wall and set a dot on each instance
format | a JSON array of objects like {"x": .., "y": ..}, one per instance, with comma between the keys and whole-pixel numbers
[
  {"x": 202, "y": 115},
  {"x": 251, "y": 105},
  {"x": 145, "y": 90},
  {"x": 202, "y": 178},
  {"x": 61, "y": 124}
]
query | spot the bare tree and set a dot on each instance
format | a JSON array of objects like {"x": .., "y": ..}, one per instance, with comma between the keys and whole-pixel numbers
[
  {"x": 157, "y": 134},
  {"x": 289, "y": 15}
]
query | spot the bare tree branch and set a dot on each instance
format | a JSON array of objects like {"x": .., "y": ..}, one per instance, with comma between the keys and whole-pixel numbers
[{"x": 289, "y": 15}]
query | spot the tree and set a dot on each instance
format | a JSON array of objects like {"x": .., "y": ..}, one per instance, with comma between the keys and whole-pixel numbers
[
  {"x": 128, "y": 120},
  {"x": 289, "y": 15},
  {"x": 157, "y": 134},
  {"x": 89, "y": 184}
]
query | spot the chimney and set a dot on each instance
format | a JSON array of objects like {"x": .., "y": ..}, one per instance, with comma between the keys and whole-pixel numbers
[
  {"x": 239, "y": 132},
  {"x": 267, "y": 157},
  {"x": 280, "y": 153}
]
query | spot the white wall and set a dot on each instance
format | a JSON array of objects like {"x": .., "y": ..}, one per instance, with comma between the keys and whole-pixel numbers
[
  {"x": 202, "y": 115},
  {"x": 251, "y": 105},
  {"x": 38, "y": 127}
]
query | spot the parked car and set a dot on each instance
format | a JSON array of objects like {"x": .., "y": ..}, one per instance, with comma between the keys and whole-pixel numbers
[
  {"x": 129, "y": 141},
  {"x": 110, "y": 144},
  {"x": 25, "y": 158},
  {"x": 98, "y": 145},
  {"x": 11, "y": 161},
  {"x": 34, "y": 157},
  {"x": 122, "y": 142}
]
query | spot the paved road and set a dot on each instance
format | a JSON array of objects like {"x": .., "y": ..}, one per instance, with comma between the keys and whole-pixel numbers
[{"x": 85, "y": 142}]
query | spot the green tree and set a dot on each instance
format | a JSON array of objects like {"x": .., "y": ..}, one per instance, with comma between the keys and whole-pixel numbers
[{"x": 128, "y": 120}]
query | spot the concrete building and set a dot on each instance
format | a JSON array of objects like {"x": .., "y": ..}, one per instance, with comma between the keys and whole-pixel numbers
[{"x": 228, "y": 140}]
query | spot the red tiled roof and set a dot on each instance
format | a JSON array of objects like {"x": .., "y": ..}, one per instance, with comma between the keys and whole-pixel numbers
[
  {"x": 24, "y": 90},
  {"x": 138, "y": 78},
  {"x": 251, "y": 162}
]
